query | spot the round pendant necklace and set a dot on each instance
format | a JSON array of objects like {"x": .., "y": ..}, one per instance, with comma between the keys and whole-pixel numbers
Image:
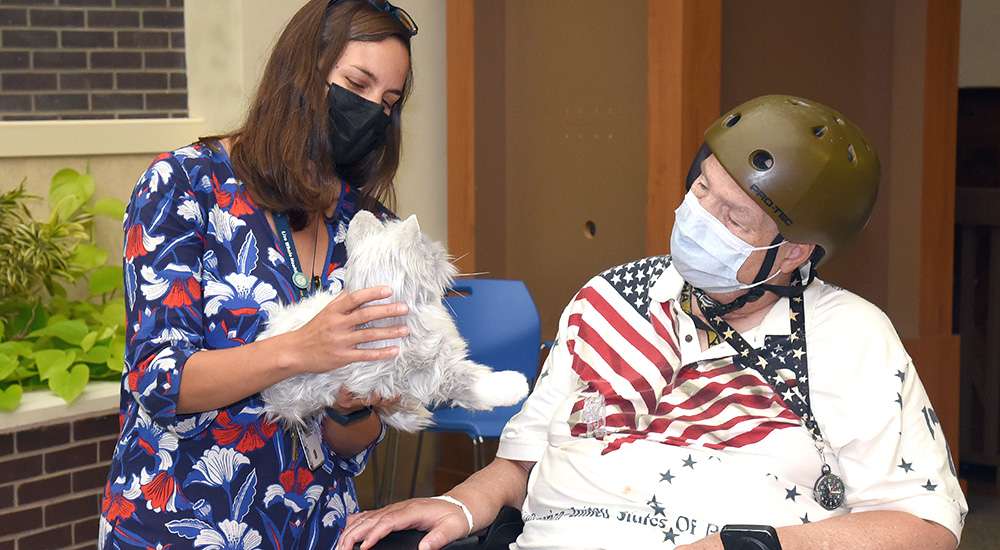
[{"x": 829, "y": 489}]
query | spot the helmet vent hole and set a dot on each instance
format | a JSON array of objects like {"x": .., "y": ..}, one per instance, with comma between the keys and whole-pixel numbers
[
  {"x": 851, "y": 157},
  {"x": 761, "y": 160},
  {"x": 732, "y": 120},
  {"x": 819, "y": 131}
]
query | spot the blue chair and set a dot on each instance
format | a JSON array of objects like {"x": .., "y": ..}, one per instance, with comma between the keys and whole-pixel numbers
[{"x": 500, "y": 322}]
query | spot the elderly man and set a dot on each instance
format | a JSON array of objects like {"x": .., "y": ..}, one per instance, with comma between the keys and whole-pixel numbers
[{"x": 725, "y": 383}]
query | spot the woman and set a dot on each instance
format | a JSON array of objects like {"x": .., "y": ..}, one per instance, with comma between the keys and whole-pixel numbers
[{"x": 219, "y": 233}]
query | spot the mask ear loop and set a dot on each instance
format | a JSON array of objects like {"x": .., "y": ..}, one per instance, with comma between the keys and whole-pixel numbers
[
  {"x": 712, "y": 307},
  {"x": 772, "y": 253}
]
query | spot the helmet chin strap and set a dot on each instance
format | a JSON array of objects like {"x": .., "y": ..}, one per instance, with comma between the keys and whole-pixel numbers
[{"x": 716, "y": 308}]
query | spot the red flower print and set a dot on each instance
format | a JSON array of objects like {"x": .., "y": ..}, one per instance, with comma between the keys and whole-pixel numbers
[
  {"x": 116, "y": 506},
  {"x": 296, "y": 481},
  {"x": 133, "y": 243},
  {"x": 159, "y": 490},
  {"x": 182, "y": 293},
  {"x": 247, "y": 436}
]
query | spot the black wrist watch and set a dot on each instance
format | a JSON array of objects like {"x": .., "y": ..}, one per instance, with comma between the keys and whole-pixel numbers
[
  {"x": 352, "y": 417},
  {"x": 749, "y": 537}
]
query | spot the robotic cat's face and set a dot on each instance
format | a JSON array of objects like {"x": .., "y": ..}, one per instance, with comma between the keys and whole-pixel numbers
[{"x": 397, "y": 254}]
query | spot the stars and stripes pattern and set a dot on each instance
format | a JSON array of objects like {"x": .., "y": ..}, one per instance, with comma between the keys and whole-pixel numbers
[
  {"x": 782, "y": 361},
  {"x": 625, "y": 348}
]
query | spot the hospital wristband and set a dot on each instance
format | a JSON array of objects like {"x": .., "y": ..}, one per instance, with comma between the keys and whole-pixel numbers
[{"x": 468, "y": 515}]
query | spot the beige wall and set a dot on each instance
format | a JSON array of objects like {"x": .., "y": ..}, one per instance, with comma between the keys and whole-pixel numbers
[
  {"x": 979, "y": 43},
  {"x": 228, "y": 41}
]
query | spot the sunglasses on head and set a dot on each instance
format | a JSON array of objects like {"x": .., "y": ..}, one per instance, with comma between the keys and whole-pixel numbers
[{"x": 400, "y": 13}]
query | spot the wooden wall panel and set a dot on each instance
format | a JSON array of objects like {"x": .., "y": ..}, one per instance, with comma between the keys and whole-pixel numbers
[
  {"x": 461, "y": 134},
  {"x": 685, "y": 47}
]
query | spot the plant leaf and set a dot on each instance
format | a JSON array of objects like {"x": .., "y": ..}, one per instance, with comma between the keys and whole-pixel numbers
[
  {"x": 50, "y": 361},
  {"x": 112, "y": 208},
  {"x": 69, "y": 384},
  {"x": 88, "y": 341},
  {"x": 10, "y": 397},
  {"x": 15, "y": 348},
  {"x": 68, "y": 192},
  {"x": 88, "y": 256},
  {"x": 106, "y": 279},
  {"x": 71, "y": 332},
  {"x": 116, "y": 362},
  {"x": 97, "y": 354},
  {"x": 7, "y": 365}
]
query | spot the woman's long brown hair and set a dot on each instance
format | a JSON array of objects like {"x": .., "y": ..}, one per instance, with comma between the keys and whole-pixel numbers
[{"x": 282, "y": 151}]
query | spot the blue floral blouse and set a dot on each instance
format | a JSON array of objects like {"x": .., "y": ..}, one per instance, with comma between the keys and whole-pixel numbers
[{"x": 203, "y": 270}]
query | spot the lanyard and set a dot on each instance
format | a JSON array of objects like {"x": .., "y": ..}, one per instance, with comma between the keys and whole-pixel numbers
[
  {"x": 300, "y": 282},
  {"x": 784, "y": 352},
  {"x": 780, "y": 352}
]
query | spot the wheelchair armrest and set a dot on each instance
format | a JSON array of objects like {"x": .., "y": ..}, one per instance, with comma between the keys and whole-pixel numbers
[
  {"x": 497, "y": 536},
  {"x": 408, "y": 540}
]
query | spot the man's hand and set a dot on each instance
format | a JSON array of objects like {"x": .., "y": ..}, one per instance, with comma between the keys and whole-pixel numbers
[
  {"x": 444, "y": 522},
  {"x": 711, "y": 542}
]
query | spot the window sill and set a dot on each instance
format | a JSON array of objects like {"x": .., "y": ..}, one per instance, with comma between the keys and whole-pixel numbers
[
  {"x": 96, "y": 137},
  {"x": 42, "y": 407}
]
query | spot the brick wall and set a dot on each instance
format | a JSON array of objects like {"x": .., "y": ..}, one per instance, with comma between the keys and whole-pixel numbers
[
  {"x": 51, "y": 483},
  {"x": 92, "y": 59}
]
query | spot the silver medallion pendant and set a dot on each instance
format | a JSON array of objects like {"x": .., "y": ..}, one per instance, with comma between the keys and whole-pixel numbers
[
  {"x": 829, "y": 489},
  {"x": 300, "y": 280}
]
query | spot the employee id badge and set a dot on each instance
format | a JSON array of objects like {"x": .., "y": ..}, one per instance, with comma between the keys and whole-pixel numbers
[{"x": 312, "y": 444}]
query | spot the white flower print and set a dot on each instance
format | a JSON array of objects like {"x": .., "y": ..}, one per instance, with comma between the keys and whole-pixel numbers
[
  {"x": 340, "y": 505},
  {"x": 274, "y": 256},
  {"x": 187, "y": 152},
  {"x": 223, "y": 225},
  {"x": 230, "y": 535},
  {"x": 189, "y": 210},
  {"x": 156, "y": 286},
  {"x": 294, "y": 501},
  {"x": 159, "y": 172},
  {"x": 241, "y": 291},
  {"x": 218, "y": 466},
  {"x": 162, "y": 442},
  {"x": 341, "y": 235},
  {"x": 204, "y": 184}
]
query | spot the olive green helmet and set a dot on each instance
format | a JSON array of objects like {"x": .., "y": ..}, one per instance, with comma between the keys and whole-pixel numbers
[{"x": 807, "y": 166}]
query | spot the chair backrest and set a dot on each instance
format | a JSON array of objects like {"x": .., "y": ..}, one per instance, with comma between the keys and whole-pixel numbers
[{"x": 499, "y": 320}]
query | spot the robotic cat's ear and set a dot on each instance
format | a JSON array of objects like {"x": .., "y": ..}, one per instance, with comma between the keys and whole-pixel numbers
[
  {"x": 411, "y": 225},
  {"x": 363, "y": 224}
]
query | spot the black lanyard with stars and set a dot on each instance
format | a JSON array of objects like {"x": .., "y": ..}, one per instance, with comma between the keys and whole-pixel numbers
[{"x": 779, "y": 352}]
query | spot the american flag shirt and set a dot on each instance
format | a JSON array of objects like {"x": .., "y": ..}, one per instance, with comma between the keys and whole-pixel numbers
[{"x": 641, "y": 438}]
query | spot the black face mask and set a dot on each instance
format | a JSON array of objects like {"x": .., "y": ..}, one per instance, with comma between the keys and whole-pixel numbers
[{"x": 356, "y": 125}]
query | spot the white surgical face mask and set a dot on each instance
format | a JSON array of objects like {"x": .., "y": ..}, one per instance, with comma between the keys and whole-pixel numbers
[{"x": 706, "y": 253}]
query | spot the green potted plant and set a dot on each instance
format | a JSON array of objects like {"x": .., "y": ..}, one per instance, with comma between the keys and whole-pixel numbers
[{"x": 62, "y": 310}]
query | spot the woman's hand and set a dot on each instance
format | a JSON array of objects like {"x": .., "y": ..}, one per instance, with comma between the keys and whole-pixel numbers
[
  {"x": 330, "y": 339},
  {"x": 444, "y": 522}
]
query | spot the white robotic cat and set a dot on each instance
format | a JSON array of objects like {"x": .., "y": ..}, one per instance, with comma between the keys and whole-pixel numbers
[{"x": 431, "y": 367}]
